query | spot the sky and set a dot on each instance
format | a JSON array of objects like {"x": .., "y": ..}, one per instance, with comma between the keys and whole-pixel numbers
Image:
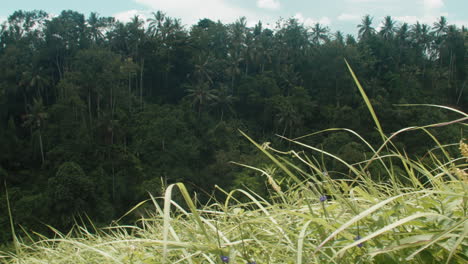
[{"x": 342, "y": 15}]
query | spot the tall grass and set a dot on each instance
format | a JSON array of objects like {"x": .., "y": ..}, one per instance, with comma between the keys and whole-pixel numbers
[{"x": 418, "y": 215}]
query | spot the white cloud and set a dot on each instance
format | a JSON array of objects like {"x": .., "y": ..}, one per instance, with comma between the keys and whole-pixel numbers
[
  {"x": 460, "y": 23},
  {"x": 190, "y": 11},
  {"x": 348, "y": 17},
  {"x": 407, "y": 19},
  {"x": 307, "y": 21},
  {"x": 269, "y": 4},
  {"x": 126, "y": 16},
  {"x": 432, "y": 10},
  {"x": 433, "y": 4},
  {"x": 426, "y": 19}
]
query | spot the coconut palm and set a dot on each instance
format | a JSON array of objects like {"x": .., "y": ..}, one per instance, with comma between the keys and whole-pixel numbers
[
  {"x": 339, "y": 37},
  {"x": 203, "y": 70},
  {"x": 34, "y": 120},
  {"x": 201, "y": 95},
  {"x": 95, "y": 23},
  {"x": 403, "y": 33},
  {"x": 388, "y": 29},
  {"x": 365, "y": 28},
  {"x": 440, "y": 27},
  {"x": 421, "y": 37},
  {"x": 155, "y": 23},
  {"x": 224, "y": 100},
  {"x": 319, "y": 34}
]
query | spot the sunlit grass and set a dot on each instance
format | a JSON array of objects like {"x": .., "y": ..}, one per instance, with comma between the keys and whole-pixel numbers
[{"x": 418, "y": 215}]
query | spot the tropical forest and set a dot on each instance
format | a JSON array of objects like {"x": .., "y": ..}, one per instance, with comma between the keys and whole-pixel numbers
[{"x": 151, "y": 141}]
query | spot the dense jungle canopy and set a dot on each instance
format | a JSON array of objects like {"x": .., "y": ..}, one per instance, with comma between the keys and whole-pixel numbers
[{"x": 96, "y": 113}]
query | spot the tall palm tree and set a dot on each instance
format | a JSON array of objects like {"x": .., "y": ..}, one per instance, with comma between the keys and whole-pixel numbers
[
  {"x": 288, "y": 117},
  {"x": 34, "y": 120},
  {"x": 350, "y": 40},
  {"x": 402, "y": 38},
  {"x": 203, "y": 70},
  {"x": 224, "y": 100},
  {"x": 136, "y": 37},
  {"x": 95, "y": 24},
  {"x": 388, "y": 29},
  {"x": 233, "y": 69},
  {"x": 155, "y": 23},
  {"x": 365, "y": 28},
  {"x": 201, "y": 95},
  {"x": 339, "y": 37},
  {"x": 420, "y": 37},
  {"x": 319, "y": 34},
  {"x": 403, "y": 32},
  {"x": 440, "y": 27}
]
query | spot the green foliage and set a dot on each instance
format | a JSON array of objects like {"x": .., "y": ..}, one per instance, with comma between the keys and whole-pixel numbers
[
  {"x": 140, "y": 107},
  {"x": 70, "y": 193}
]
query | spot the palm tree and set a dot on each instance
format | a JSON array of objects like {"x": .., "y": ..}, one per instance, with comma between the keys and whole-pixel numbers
[
  {"x": 155, "y": 23},
  {"x": 233, "y": 68},
  {"x": 201, "y": 95},
  {"x": 365, "y": 28},
  {"x": 421, "y": 38},
  {"x": 34, "y": 120},
  {"x": 95, "y": 24},
  {"x": 319, "y": 34},
  {"x": 288, "y": 117},
  {"x": 339, "y": 37},
  {"x": 403, "y": 32},
  {"x": 350, "y": 40},
  {"x": 136, "y": 38},
  {"x": 224, "y": 100},
  {"x": 440, "y": 27},
  {"x": 402, "y": 37},
  {"x": 202, "y": 70},
  {"x": 388, "y": 29}
]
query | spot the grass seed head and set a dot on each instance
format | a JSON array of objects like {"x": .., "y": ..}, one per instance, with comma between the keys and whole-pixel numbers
[{"x": 464, "y": 149}]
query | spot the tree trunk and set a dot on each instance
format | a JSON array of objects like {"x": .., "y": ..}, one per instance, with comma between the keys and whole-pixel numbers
[
  {"x": 98, "y": 105},
  {"x": 58, "y": 66},
  {"x": 89, "y": 106},
  {"x": 141, "y": 82},
  {"x": 129, "y": 92},
  {"x": 41, "y": 147}
]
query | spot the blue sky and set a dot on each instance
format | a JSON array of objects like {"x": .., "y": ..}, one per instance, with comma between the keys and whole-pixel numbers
[{"x": 341, "y": 15}]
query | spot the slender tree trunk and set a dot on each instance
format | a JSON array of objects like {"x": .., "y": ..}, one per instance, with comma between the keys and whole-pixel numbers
[
  {"x": 113, "y": 182},
  {"x": 25, "y": 102},
  {"x": 58, "y": 66},
  {"x": 41, "y": 147},
  {"x": 129, "y": 92},
  {"x": 284, "y": 130},
  {"x": 141, "y": 82},
  {"x": 199, "y": 110},
  {"x": 167, "y": 72},
  {"x": 111, "y": 100},
  {"x": 89, "y": 106},
  {"x": 98, "y": 105},
  {"x": 232, "y": 84},
  {"x": 46, "y": 96}
]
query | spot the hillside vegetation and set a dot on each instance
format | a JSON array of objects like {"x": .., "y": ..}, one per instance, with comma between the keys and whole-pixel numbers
[
  {"x": 97, "y": 115},
  {"x": 417, "y": 215}
]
